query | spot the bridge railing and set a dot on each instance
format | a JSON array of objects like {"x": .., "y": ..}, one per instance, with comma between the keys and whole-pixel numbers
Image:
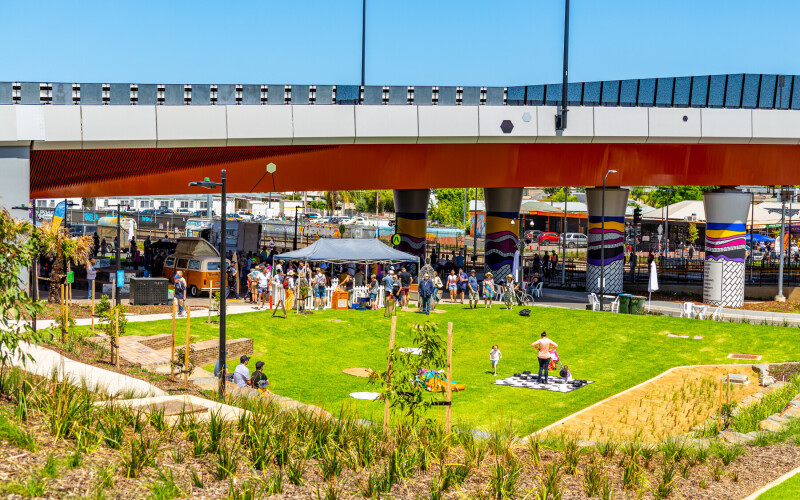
[{"x": 743, "y": 91}]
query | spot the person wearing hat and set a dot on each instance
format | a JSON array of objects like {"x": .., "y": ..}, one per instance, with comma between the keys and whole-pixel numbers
[
  {"x": 488, "y": 290},
  {"x": 259, "y": 380},
  {"x": 509, "y": 295},
  {"x": 288, "y": 287},
  {"x": 472, "y": 288},
  {"x": 241, "y": 375}
]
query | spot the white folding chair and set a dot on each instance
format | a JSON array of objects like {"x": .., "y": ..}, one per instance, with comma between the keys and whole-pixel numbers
[
  {"x": 700, "y": 311},
  {"x": 537, "y": 290},
  {"x": 615, "y": 305},
  {"x": 717, "y": 314},
  {"x": 686, "y": 310},
  {"x": 594, "y": 302}
]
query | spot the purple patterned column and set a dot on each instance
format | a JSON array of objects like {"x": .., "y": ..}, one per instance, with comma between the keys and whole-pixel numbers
[
  {"x": 411, "y": 209},
  {"x": 502, "y": 229},
  {"x": 726, "y": 225},
  {"x": 612, "y": 258}
]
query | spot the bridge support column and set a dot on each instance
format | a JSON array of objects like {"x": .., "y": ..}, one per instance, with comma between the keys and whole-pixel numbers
[
  {"x": 411, "y": 208},
  {"x": 502, "y": 230},
  {"x": 726, "y": 225},
  {"x": 15, "y": 172},
  {"x": 610, "y": 259}
]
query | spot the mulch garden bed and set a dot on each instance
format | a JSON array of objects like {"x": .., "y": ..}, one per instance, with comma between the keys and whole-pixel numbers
[
  {"x": 88, "y": 355},
  {"x": 757, "y": 467},
  {"x": 52, "y": 311},
  {"x": 772, "y": 306}
]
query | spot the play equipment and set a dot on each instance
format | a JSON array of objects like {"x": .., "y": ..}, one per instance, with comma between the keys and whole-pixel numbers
[{"x": 436, "y": 381}]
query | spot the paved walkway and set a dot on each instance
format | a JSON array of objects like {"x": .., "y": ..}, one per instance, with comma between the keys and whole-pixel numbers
[
  {"x": 46, "y": 362},
  {"x": 578, "y": 300}
]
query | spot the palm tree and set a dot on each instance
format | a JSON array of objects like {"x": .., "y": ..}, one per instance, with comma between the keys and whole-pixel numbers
[{"x": 57, "y": 241}]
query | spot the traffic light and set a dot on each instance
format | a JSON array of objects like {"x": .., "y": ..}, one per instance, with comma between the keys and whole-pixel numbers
[{"x": 637, "y": 216}]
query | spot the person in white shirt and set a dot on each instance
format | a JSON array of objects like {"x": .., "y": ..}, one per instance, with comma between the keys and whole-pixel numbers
[
  {"x": 241, "y": 375},
  {"x": 91, "y": 275},
  {"x": 263, "y": 286},
  {"x": 494, "y": 356}
]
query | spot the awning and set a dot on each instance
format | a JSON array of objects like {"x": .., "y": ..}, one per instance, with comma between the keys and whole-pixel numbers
[
  {"x": 348, "y": 250},
  {"x": 759, "y": 238}
]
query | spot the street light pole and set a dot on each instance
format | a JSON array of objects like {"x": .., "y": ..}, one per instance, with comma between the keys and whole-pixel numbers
[
  {"x": 294, "y": 240},
  {"x": 564, "y": 237},
  {"x": 603, "y": 243},
  {"x": 223, "y": 268},
  {"x": 475, "y": 230},
  {"x": 780, "y": 297}
]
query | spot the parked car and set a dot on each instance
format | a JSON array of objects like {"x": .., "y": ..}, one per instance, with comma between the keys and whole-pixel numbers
[
  {"x": 532, "y": 234},
  {"x": 574, "y": 240},
  {"x": 82, "y": 229},
  {"x": 548, "y": 238},
  {"x": 356, "y": 220},
  {"x": 244, "y": 214},
  {"x": 203, "y": 213},
  {"x": 164, "y": 211}
]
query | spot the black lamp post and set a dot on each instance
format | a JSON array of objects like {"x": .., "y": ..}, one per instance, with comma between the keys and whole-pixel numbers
[
  {"x": 118, "y": 299},
  {"x": 222, "y": 272},
  {"x": 33, "y": 278},
  {"x": 603, "y": 243}
]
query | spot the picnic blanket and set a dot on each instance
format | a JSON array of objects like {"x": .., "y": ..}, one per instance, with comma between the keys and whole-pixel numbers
[{"x": 528, "y": 380}]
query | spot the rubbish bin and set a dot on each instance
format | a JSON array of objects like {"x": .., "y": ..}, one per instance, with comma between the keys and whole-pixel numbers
[
  {"x": 625, "y": 303},
  {"x": 637, "y": 304},
  {"x": 149, "y": 291}
]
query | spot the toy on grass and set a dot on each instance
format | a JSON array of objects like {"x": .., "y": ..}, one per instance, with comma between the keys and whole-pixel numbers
[{"x": 436, "y": 381}]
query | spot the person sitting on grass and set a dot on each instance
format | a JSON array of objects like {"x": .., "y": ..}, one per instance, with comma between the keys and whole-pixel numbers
[
  {"x": 488, "y": 291},
  {"x": 241, "y": 375},
  {"x": 472, "y": 288},
  {"x": 259, "y": 380}
]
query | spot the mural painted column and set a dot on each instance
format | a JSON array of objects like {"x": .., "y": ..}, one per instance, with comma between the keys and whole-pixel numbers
[
  {"x": 502, "y": 229},
  {"x": 613, "y": 239},
  {"x": 411, "y": 208},
  {"x": 726, "y": 223}
]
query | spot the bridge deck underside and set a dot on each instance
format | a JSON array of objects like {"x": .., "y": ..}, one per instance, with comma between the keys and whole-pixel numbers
[{"x": 152, "y": 171}]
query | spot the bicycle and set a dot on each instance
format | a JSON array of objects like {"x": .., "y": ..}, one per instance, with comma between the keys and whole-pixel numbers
[{"x": 523, "y": 298}]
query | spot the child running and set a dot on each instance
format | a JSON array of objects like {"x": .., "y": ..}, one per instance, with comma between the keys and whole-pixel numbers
[
  {"x": 495, "y": 356},
  {"x": 488, "y": 291}
]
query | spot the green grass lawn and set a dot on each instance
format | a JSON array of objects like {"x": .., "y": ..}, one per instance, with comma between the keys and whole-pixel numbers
[
  {"x": 787, "y": 489},
  {"x": 304, "y": 355}
]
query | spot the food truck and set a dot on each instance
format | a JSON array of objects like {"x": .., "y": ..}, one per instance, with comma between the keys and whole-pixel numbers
[
  {"x": 244, "y": 236},
  {"x": 199, "y": 261},
  {"x": 107, "y": 230}
]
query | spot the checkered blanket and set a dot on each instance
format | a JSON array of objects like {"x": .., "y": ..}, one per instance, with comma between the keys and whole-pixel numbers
[{"x": 528, "y": 380}]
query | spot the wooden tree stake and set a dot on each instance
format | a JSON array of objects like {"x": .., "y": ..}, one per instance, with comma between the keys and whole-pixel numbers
[
  {"x": 389, "y": 375},
  {"x": 93, "y": 305},
  {"x": 186, "y": 349},
  {"x": 448, "y": 388},
  {"x": 172, "y": 364}
]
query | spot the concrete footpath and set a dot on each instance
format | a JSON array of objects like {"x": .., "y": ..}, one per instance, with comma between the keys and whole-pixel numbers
[
  {"x": 45, "y": 363},
  {"x": 579, "y": 300}
]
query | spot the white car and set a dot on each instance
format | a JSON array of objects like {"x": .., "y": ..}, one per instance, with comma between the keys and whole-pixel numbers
[{"x": 356, "y": 220}]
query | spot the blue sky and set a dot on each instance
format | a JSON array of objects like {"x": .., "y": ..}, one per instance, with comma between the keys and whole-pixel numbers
[{"x": 414, "y": 42}]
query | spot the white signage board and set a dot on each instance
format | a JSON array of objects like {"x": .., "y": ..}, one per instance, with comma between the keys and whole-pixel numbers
[{"x": 712, "y": 283}]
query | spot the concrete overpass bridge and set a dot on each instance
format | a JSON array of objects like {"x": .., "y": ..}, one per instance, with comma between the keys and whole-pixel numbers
[{"x": 64, "y": 139}]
